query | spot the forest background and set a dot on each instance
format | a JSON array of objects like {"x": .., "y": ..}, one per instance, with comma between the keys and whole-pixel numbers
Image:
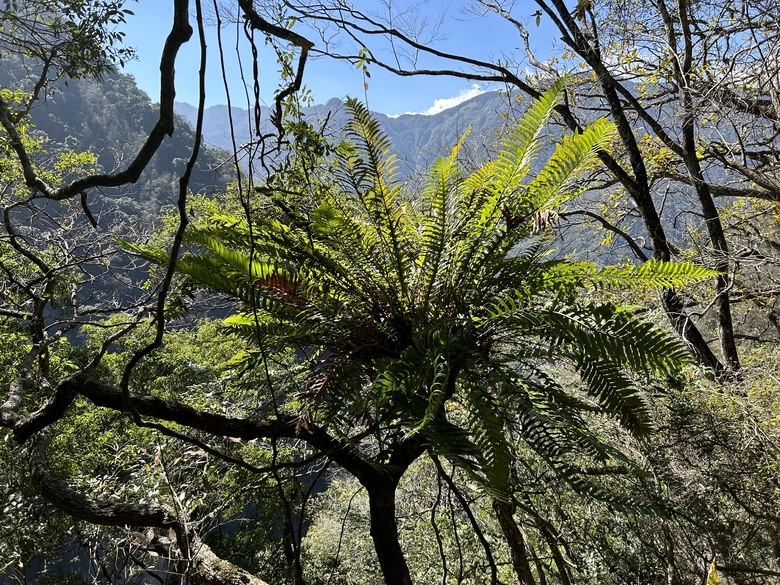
[{"x": 540, "y": 351}]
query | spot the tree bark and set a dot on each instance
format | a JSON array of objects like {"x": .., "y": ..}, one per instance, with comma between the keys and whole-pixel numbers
[
  {"x": 682, "y": 71},
  {"x": 514, "y": 538},
  {"x": 638, "y": 186},
  {"x": 384, "y": 532}
]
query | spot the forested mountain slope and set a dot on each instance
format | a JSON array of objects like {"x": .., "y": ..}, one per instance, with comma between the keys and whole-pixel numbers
[{"x": 111, "y": 118}]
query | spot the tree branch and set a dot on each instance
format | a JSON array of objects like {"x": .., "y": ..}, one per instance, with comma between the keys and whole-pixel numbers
[
  {"x": 180, "y": 34},
  {"x": 208, "y": 422},
  {"x": 212, "y": 569}
]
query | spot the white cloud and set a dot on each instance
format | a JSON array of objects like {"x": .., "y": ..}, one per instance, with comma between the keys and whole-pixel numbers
[{"x": 442, "y": 104}]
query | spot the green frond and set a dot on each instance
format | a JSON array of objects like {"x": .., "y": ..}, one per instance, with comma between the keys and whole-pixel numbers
[
  {"x": 650, "y": 274},
  {"x": 618, "y": 396},
  {"x": 262, "y": 282},
  {"x": 211, "y": 273},
  {"x": 455, "y": 444},
  {"x": 540, "y": 433},
  {"x": 372, "y": 156},
  {"x": 267, "y": 326},
  {"x": 206, "y": 271},
  {"x": 369, "y": 172},
  {"x": 621, "y": 500},
  {"x": 523, "y": 142},
  {"x": 436, "y": 218},
  {"x": 483, "y": 246},
  {"x": 550, "y": 419},
  {"x": 475, "y": 188},
  {"x": 559, "y": 437},
  {"x": 599, "y": 332},
  {"x": 345, "y": 250},
  {"x": 553, "y": 184},
  {"x": 485, "y": 208},
  {"x": 153, "y": 255},
  {"x": 608, "y": 333},
  {"x": 435, "y": 377},
  {"x": 521, "y": 274},
  {"x": 487, "y": 427}
]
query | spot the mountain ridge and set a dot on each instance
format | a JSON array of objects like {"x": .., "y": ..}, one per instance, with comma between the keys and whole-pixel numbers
[{"x": 417, "y": 139}]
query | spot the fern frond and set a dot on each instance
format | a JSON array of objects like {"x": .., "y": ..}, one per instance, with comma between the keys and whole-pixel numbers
[
  {"x": 617, "y": 394},
  {"x": 373, "y": 149},
  {"x": 523, "y": 142},
  {"x": 434, "y": 382},
  {"x": 487, "y": 427},
  {"x": 650, "y": 274},
  {"x": 602, "y": 332},
  {"x": 372, "y": 174},
  {"x": 437, "y": 217},
  {"x": 551, "y": 187},
  {"x": 482, "y": 247},
  {"x": 152, "y": 255}
]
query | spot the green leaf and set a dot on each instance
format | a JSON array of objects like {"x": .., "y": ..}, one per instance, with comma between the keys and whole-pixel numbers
[{"x": 712, "y": 574}]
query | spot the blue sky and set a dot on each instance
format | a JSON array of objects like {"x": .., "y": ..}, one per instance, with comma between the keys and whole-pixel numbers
[{"x": 487, "y": 38}]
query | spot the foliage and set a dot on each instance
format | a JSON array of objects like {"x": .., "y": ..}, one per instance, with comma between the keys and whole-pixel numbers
[
  {"x": 437, "y": 316},
  {"x": 72, "y": 38},
  {"x": 376, "y": 329},
  {"x": 692, "y": 90},
  {"x": 110, "y": 119},
  {"x": 435, "y": 531}
]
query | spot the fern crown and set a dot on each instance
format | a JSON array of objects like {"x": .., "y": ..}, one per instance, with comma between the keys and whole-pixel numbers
[{"x": 439, "y": 313}]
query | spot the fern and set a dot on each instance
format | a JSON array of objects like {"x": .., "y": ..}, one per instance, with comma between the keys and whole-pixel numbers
[
  {"x": 617, "y": 394},
  {"x": 487, "y": 425},
  {"x": 372, "y": 171},
  {"x": 436, "y": 218},
  {"x": 650, "y": 274},
  {"x": 438, "y": 317},
  {"x": 520, "y": 147}
]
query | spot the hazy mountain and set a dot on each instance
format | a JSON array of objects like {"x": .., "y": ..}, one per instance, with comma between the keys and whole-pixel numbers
[
  {"x": 417, "y": 139},
  {"x": 112, "y": 117}
]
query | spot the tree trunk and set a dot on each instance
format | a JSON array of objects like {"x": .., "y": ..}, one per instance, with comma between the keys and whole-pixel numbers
[
  {"x": 384, "y": 532},
  {"x": 638, "y": 186},
  {"x": 515, "y": 540},
  {"x": 682, "y": 70}
]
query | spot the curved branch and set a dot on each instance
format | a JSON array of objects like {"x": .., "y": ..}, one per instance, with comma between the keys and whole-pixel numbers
[
  {"x": 638, "y": 252},
  {"x": 17, "y": 389},
  {"x": 747, "y": 570},
  {"x": 215, "y": 424},
  {"x": 470, "y": 515},
  {"x": 257, "y": 22},
  {"x": 212, "y": 569},
  {"x": 181, "y": 32}
]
